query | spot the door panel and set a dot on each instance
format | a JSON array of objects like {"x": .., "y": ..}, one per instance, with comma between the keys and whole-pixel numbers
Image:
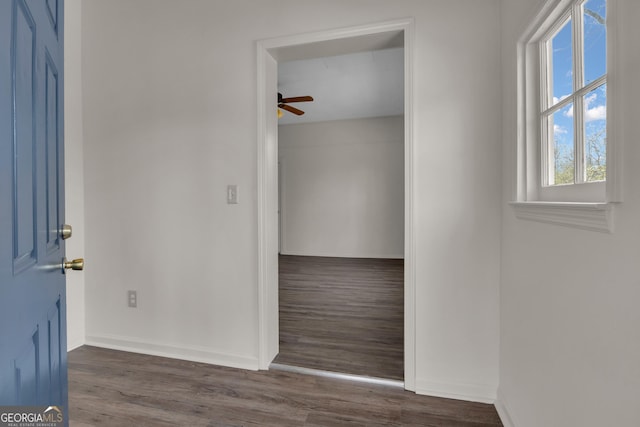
[
  {"x": 32, "y": 286},
  {"x": 24, "y": 147},
  {"x": 52, "y": 155}
]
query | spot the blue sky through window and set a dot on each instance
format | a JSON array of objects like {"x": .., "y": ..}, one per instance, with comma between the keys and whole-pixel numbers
[
  {"x": 562, "y": 63},
  {"x": 595, "y": 40}
]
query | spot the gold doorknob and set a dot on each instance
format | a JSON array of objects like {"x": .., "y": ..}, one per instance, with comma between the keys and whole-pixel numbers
[
  {"x": 76, "y": 264},
  {"x": 66, "y": 231}
]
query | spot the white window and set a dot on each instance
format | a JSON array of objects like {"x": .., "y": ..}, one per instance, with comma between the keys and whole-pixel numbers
[
  {"x": 573, "y": 86},
  {"x": 566, "y": 161}
]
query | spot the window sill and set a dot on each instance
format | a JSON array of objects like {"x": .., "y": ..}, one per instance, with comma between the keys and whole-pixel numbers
[{"x": 586, "y": 216}]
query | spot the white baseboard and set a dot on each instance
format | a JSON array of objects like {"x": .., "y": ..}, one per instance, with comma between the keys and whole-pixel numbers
[
  {"x": 341, "y": 255},
  {"x": 482, "y": 393},
  {"x": 192, "y": 354},
  {"x": 73, "y": 345},
  {"x": 503, "y": 410}
]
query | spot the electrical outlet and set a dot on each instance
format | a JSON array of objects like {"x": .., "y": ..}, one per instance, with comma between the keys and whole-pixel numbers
[{"x": 132, "y": 298}]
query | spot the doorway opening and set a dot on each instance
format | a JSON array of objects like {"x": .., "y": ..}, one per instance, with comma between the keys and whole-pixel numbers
[
  {"x": 342, "y": 315},
  {"x": 330, "y": 43}
]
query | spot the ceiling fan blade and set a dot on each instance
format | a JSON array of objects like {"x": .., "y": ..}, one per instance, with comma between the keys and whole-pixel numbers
[
  {"x": 297, "y": 99},
  {"x": 291, "y": 109}
]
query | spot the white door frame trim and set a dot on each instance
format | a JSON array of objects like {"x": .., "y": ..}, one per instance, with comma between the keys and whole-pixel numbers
[{"x": 267, "y": 187}]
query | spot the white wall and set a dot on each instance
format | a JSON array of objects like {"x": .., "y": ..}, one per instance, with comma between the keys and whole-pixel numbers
[
  {"x": 169, "y": 97},
  {"x": 570, "y": 341},
  {"x": 342, "y": 188},
  {"x": 74, "y": 172}
]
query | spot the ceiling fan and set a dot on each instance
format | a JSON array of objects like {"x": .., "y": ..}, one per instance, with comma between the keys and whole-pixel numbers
[{"x": 283, "y": 104}]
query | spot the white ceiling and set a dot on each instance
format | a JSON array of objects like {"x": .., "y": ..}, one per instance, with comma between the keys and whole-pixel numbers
[{"x": 354, "y": 85}]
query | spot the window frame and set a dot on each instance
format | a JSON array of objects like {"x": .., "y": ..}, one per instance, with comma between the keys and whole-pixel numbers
[
  {"x": 562, "y": 204},
  {"x": 574, "y": 15}
]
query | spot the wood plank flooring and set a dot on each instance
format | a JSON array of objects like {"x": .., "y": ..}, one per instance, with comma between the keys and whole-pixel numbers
[
  {"x": 342, "y": 315},
  {"x": 114, "y": 388}
]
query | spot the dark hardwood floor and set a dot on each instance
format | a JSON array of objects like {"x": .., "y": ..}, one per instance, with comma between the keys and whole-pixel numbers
[
  {"x": 114, "y": 388},
  {"x": 343, "y": 315}
]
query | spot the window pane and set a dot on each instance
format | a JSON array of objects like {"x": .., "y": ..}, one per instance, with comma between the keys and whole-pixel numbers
[
  {"x": 561, "y": 126},
  {"x": 595, "y": 39},
  {"x": 595, "y": 134},
  {"x": 562, "y": 63}
]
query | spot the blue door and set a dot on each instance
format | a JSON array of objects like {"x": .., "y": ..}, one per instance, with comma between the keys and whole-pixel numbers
[{"x": 33, "y": 347}]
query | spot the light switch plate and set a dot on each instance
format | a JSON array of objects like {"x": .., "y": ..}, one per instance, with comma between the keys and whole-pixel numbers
[{"x": 232, "y": 194}]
